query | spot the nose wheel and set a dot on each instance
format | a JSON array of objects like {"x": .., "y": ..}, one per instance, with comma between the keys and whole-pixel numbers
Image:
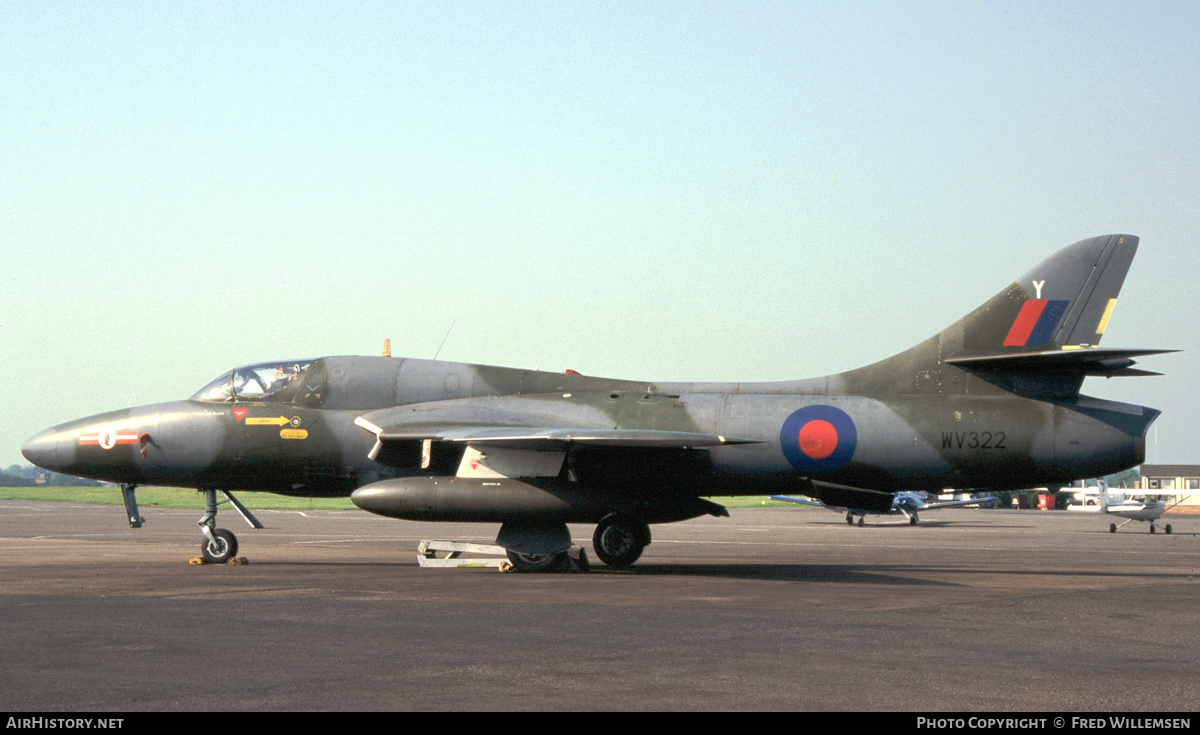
[
  {"x": 220, "y": 548},
  {"x": 219, "y": 545}
]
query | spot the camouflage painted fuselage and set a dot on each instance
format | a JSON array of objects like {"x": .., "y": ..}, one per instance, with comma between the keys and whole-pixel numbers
[
  {"x": 991, "y": 402},
  {"x": 309, "y": 445}
]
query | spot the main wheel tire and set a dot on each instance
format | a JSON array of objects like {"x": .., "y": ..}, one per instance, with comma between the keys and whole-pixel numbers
[
  {"x": 221, "y": 549},
  {"x": 537, "y": 562},
  {"x": 619, "y": 540}
]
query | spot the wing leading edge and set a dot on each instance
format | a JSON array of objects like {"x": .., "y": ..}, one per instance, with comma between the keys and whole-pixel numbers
[{"x": 548, "y": 438}]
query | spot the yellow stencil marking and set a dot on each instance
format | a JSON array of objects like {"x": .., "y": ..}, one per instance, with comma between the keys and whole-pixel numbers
[
  {"x": 1107, "y": 313},
  {"x": 275, "y": 421}
]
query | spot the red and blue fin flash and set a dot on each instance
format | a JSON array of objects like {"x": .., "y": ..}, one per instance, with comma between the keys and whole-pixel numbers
[{"x": 1035, "y": 324}]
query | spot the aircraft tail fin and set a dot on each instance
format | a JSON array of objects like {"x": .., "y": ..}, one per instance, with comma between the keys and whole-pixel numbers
[
  {"x": 1038, "y": 337},
  {"x": 1065, "y": 301}
]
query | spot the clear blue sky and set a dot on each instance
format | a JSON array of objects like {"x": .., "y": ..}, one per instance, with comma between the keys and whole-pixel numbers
[{"x": 659, "y": 191}]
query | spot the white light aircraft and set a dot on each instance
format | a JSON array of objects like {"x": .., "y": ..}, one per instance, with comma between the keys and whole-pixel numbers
[{"x": 1136, "y": 510}]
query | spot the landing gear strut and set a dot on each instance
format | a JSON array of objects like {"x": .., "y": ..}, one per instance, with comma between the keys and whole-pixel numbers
[
  {"x": 131, "y": 508},
  {"x": 220, "y": 545},
  {"x": 1112, "y": 527}
]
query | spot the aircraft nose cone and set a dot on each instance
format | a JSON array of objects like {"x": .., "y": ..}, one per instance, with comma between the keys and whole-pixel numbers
[{"x": 42, "y": 450}]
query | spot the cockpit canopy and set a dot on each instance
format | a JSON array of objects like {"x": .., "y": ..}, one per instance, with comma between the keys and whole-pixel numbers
[{"x": 254, "y": 382}]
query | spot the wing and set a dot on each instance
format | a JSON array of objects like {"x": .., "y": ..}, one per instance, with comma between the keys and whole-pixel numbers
[
  {"x": 549, "y": 438},
  {"x": 957, "y": 503},
  {"x": 522, "y": 423},
  {"x": 802, "y": 501},
  {"x": 1158, "y": 493}
]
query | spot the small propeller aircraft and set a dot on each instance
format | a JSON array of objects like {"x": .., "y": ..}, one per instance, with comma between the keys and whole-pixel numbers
[
  {"x": 992, "y": 401},
  {"x": 1136, "y": 510},
  {"x": 906, "y": 503}
]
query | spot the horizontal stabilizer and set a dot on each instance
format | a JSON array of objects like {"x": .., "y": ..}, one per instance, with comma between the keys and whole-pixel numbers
[{"x": 1086, "y": 361}]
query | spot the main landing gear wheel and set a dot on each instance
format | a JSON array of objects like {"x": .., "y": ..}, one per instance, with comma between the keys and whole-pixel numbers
[
  {"x": 537, "y": 562},
  {"x": 620, "y": 539},
  {"x": 221, "y": 549}
]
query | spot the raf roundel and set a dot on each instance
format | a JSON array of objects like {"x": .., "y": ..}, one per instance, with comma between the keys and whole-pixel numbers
[{"x": 818, "y": 440}]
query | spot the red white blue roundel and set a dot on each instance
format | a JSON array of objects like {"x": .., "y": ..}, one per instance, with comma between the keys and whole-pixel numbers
[{"x": 818, "y": 439}]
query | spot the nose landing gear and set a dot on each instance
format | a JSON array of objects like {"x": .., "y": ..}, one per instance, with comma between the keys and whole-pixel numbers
[{"x": 219, "y": 545}]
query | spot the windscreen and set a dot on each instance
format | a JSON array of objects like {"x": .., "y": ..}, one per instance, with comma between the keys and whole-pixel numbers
[{"x": 254, "y": 382}]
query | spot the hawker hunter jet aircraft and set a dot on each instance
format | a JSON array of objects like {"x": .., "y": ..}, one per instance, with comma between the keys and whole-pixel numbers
[
  {"x": 993, "y": 401},
  {"x": 907, "y": 504}
]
